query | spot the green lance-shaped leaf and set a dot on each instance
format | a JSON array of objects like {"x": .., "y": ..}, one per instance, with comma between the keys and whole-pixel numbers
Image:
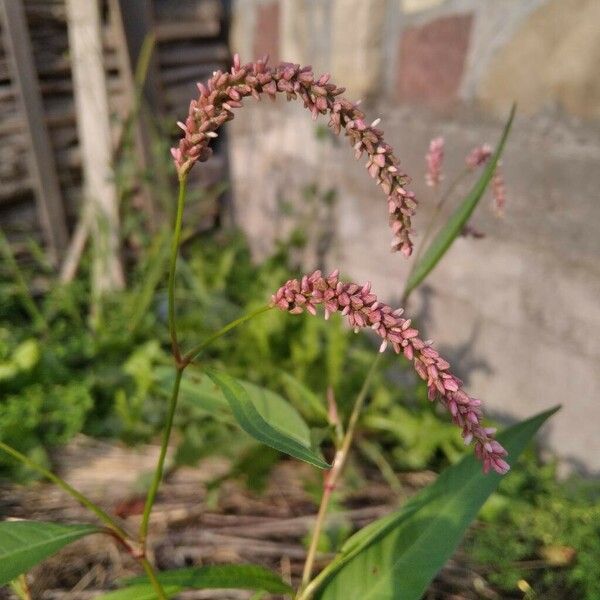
[
  {"x": 269, "y": 429},
  {"x": 446, "y": 236},
  {"x": 203, "y": 395},
  {"x": 396, "y": 557},
  {"x": 24, "y": 544},
  {"x": 243, "y": 577}
]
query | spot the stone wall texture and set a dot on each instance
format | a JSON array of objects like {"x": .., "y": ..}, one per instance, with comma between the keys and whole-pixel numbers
[{"x": 518, "y": 311}]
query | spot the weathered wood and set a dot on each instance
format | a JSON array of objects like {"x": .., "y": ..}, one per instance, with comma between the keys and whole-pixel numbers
[
  {"x": 168, "y": 32},
  {"x": 74, "y": 252},
  {"x": 42, "y": 165},
  {"x": 129, "y": 47},
  {"x": 137, "y": 22},
  {"x": 192, "y": 53},
  {"x": 52, "y": 58},
  {"x": 91, "y": 102}
]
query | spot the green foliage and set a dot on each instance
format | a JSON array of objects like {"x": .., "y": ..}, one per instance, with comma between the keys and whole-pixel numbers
[
  {"x": 240, "y": 577},
  {"x": 291, "y": 436},
  {"x": 397, "y": 556},
  {"x": 39, "y": 399},
  {"x": 245, "y": 577},
  {"x": 542, "y": 531},
  {"x": 23, "y": 544},
  {"x": 113, "y": 382}
]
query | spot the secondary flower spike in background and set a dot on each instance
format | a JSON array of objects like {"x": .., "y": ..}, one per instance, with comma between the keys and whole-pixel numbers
[
  {"x": 224, "y": 92},
  {"x": 434, "y": 159},
  {"x": 362, "y": 309},
  {"x": 479, "y": 156}
]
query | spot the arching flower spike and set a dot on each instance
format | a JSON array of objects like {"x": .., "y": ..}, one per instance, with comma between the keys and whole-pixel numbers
[
  {"x": 225, "y": 92},
  {"x": 362, "y": 309}
]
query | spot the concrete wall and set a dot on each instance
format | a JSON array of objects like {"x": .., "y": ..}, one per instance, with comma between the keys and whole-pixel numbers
[{"x": 517, "y": 311}]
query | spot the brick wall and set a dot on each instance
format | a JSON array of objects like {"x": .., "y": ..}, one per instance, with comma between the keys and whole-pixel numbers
[{"x": 517, "y": 310}]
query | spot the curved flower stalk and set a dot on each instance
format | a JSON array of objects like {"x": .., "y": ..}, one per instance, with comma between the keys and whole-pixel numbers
[
  {"x": 224, "y": 92},
  {"x": 362, "y": 309}
]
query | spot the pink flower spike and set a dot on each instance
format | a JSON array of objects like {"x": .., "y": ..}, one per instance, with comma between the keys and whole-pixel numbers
[
  {"x": 478, "y": 156},
  {"x": 225, "y": 91},
  {"x": 362, "y": 309},
  {"x": 434, "y": 159}
]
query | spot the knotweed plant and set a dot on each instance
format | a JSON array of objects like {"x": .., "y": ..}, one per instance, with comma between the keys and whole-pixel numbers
[{"x": 397, "y": 556}]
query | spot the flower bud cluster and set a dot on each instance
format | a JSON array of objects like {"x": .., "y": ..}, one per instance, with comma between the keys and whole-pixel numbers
[
  {"x": 224, "y": 92},
  {"x": 478, "y": 156},
  {"x": 362, "y": 309}
]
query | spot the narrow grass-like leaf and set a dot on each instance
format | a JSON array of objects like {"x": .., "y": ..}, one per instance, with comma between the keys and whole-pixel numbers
[
  {"x": 24, "y": 544},
  {"x": 241, "y": 577},
  {"x": 253, "y": 423},
  {"x": 446, "y": 236},
  {"x": 395, "y": 558}
]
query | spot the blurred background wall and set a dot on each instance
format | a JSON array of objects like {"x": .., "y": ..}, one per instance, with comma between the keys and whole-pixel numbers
[{"x": 517, "y": 311}]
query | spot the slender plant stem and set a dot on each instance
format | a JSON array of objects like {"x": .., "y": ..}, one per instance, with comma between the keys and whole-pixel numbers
[
  {"x": 194, "y": 352},
  {"x": 81, "y": 498},
  {"x": 158, "y": 473},
  {"x": 28, "y": 302},
  {"x": 173, "y": 266},
  {"x": 160, "y": 465},
  {"x": 438, "y": 208},
  {"x": 142, "y": 66},
  {"x": 431, "y": 225},
  {"x": 181, "y": 365},
  {"x": 151, "y": 574},
  {"x": 21, "y": 587},
  {"x": 331, "y": 479}
]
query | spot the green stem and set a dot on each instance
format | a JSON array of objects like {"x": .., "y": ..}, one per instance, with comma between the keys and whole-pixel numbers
[
  {"x": 181, "y": 363},
  {"x": 83, "y": 500},
  {"x": 308, "y": 588},
  {"x": 180, "y": 366},
  {"x": 21, "y": 587},
  {"x": 172, "y": 268},
  {"x": 160, "y": 592},
  {"x": 28, "y": 302},
  {"x": 194, "y": 352},
  {"x": 158, "y": 473},
  {"x": 142, "y": 66},
  {"x": 431, "y": 225}
]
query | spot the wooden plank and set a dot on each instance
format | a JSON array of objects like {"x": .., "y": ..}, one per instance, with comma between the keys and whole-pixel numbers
[
  {"x": 133, "y": 20},
  {"x": 136, "y": 21},
  {"x": 169, "y": 32},
  {"x": 50, "y": 206},
  {"x": 93, "y": 124},
  {"x": 193, "y": 53}
]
